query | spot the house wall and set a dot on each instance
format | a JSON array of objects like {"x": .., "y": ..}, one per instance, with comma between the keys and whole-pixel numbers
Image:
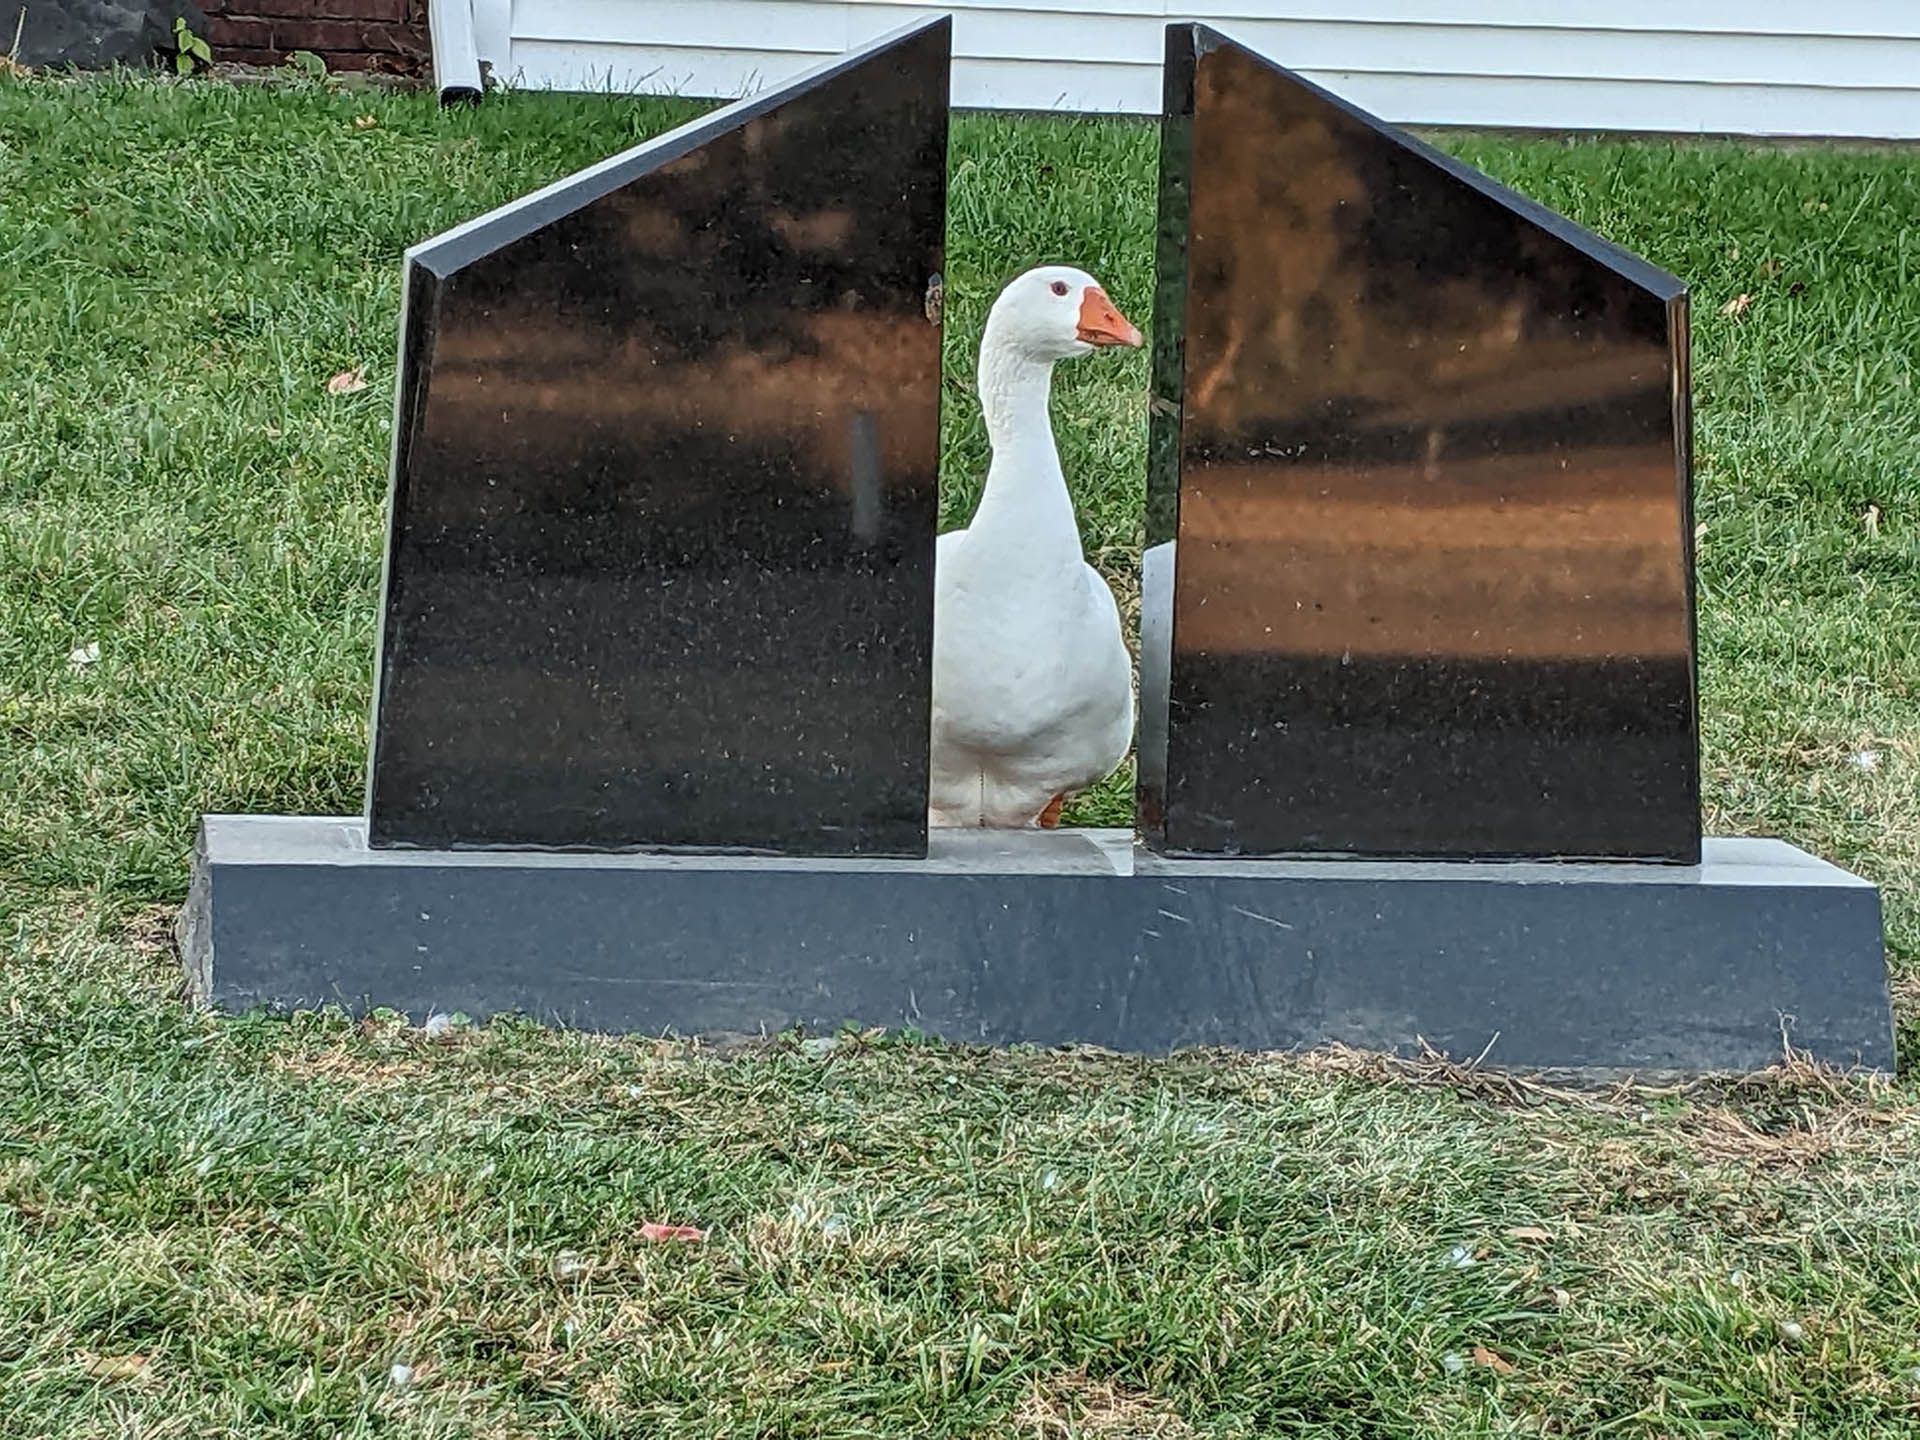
[
  {"x": 381, "y": 35},
  {"x": 1764, "y": 67}
]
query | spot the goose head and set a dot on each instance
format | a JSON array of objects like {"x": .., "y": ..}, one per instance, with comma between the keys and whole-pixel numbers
[{"x": 1055, "y": 313}]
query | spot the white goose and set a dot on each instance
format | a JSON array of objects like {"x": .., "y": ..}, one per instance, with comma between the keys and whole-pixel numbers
[{"x": 1032, "y": 683}]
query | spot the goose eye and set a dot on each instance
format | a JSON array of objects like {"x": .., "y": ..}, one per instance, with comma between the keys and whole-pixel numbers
[{"x": 1059, "y": 287}]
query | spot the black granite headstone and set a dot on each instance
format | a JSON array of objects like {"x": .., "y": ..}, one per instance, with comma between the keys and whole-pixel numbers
[
  {"x": 661, "y": 575},
  {"x": 1419, "y": 500},
  {"x": 664, "y": 498}
]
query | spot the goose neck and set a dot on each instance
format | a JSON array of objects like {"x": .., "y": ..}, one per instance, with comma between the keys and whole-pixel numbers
[{"x": 1015, "y": 390}]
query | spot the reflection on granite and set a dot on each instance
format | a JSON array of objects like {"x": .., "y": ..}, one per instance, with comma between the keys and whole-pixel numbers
[
  {"x": 1419, "y": 462},
  {"x": 661, "y": 564}
]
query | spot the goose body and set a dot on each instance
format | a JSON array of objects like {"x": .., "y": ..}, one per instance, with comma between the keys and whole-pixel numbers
[{"x": 1032, "y": 683}]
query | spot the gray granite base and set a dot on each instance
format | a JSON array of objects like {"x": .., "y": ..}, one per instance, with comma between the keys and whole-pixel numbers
[{"x": 1065, "y": 937}]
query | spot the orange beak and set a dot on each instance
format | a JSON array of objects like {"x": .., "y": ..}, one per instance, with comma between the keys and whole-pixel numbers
[{"x": 1102, "y": 324}]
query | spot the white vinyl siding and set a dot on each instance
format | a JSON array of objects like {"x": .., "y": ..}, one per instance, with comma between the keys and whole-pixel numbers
[{"x": 1847, "y": 67}]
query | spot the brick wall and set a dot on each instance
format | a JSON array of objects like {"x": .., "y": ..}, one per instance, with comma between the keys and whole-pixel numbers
[{"x": 384, "y": 35}]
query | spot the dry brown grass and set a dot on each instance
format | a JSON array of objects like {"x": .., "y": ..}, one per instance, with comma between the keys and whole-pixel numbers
[
  {"x": 1075, "y": 1407},
  {"x": 1792, "y": 1114}
]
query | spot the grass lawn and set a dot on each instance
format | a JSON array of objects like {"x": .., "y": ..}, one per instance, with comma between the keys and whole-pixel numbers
[{"x": 239, "y": 1228}]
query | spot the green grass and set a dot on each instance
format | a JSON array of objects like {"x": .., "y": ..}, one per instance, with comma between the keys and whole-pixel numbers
[{"x": 905, "y": 1238}]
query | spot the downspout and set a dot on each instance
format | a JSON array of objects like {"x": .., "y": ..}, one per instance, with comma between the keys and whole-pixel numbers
[{"x": 456, "y": 55}]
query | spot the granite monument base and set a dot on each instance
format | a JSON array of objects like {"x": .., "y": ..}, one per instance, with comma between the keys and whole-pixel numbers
[{"x": 1051, "y": 937}]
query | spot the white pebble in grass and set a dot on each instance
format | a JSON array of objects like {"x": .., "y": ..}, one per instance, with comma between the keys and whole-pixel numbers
[
  {"x": 835, "y": 1227},
  {"x": 1791, "y": 1331},
  {"x": 1865, "y": 759},
  {"x": 1737, "y": 1279},
  {"x": 1453, "y": 1362},
  {"x": 401, "y": 1375},
  {"x": 1050, "y": 1180},
  {"x": 81, "y": 656}
]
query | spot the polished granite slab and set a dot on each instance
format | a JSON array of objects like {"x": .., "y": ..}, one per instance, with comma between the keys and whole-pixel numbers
[
  {"x": 660, "y": 571},
  {"x": 1064, "y": 937},
  {"x": 1419, "y": 500}
]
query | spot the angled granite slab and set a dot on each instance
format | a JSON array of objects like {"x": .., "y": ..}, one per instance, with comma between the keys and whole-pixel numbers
[
  {"x": 1418, "y": 500},
  {"x": 660, "y": 571}
]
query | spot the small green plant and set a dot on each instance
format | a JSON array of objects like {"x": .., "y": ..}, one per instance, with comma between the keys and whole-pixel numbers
[
  {"x": 189, "y": 49},
  {"x": 307, "y": 64}
]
